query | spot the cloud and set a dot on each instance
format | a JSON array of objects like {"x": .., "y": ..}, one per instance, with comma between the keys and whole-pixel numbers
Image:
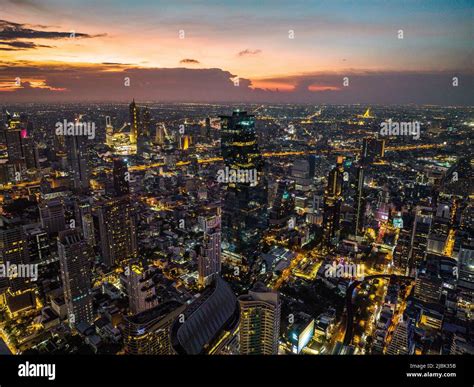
[
  {"x": 19, "y": 45},
  {"x": 13, "y": 31},
  {"x": 91, "y": 82},
  {"x": 189, "y": 61},
  {"x": 248, "y": 52}
]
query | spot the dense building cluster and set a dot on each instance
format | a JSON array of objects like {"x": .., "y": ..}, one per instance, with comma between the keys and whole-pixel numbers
[{"x": 217, "y": 229}]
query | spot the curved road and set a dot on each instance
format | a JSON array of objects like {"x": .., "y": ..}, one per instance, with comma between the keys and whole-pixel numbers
[{"x": 350, "y": 313}]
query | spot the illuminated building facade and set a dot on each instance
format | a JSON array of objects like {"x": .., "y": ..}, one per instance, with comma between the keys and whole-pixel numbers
[
  {"x": 373, "y": 150},
  {"x": 52, "y": 215},
  {"x": 332, "y": 205},
  {"x": 134, "y": 122},
  {"x": 148, "y": 332},
  {"x": 140, "y": 288},
  {"x": 209, "y": 257},
  {"x": 116, "y": 227},
  {"x": 120, "y": 177},
  {"x": 244, "y": 214},
  {"x": 259, "y": 328},
  {"x": 421, "y": 231},
  {"x": 283, "y": 205},
  {"x": 75, "y": 259},
  {"x": 77, "y": 156},
  {"x": 13, "y": 250}
]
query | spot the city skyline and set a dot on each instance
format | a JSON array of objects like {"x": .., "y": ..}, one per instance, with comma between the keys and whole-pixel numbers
[{"x": 285, "y": 189}]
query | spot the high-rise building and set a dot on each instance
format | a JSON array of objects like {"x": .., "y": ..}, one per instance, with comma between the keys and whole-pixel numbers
[
  {"x": 77, "y": 156},
  {"x": 115, "y": 222},
  {"x": 145, "y": 123},
  {"x": 421, "y": 231},
  {"x": 134, "y": 122},
  {"x": 121, "y": 177},
  {"x": 159, "y": 134},
  {"x": 75, "y": 257},
  {"x": 30, "y": 150},
  {"x": 206, "y": 130},
  {"x": 465, "y": 280},
  {"x": 148, "y": 332},
  {"x": 52, "y": 215},
  {"x": 209, "y": 325},
  {"x": 459, "y": 179},
  {"x": 244, "y": 215},
  {"x": 13, "y": 251},
  {"x": 140, "y": 288},
  {"x": 402, "y": 339},
  {"x": 14, "y": 140},
  {"x": 209, "y": 257},
  {"x": 332, "y": 205},
  {"x": 283, "y": 205},
  {"x": 373, "y": 150},
  {"x": 428, "y": 287},
  {"x": 359, "y": 203},
  {"x": 301, "y": 174},
  {"x": 109, "y": 131},
  {"x": 401, "y": 254},
  {"x": 259, "y": 328},
  {"x": 85, "y": 220},
  {"x": 39, "y": 244}
]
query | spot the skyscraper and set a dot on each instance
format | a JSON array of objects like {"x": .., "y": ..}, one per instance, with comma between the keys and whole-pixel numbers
[
  {"x": 244, "y": 214},
  {"x": 421, "y": 231},
  {"x": 52, "y": 215},
  {"x": 121, "y": 177},
  {"x": 134, "y": 120},
  {"x": 401, "y": 254},
  {"x": 283, "y": 205},
  {"x": 140, "y": 289},
  {"x": 402, "y": 339},
  {"x": 332, "y": 205},
  {"x": 373, "y": 150},
  {"x": 259, "y": 321},
  {"x": 209, "y": 257},
  {"x": 359, "y": 203},
  {"x": 301, "y": 173},
  {"x": 14, "y": 141},
  {"x": 148, "y": 332},
  {"x": 13, "y": 251},
  {"x": 77, "y": 156},
  {"x": 109, "y": 131},
  {"x": 115, "y": 222},
  {"x": 83, "y": 214},
  {"x": 75, "y": 257}
]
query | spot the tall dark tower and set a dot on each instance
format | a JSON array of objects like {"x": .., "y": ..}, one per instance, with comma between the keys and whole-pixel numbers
[
  {"x": 134, "y": 119},
  {"x": 244, "y": 214},
  {"x": 332, "y": 204},
  {"x": 283, "y": 205},
  {"x": 120, "y": 172},
  {"x": 77, "y": 157},
  {"x": 373, "y": 149},
  {"x": 145, "y": 123},
  {"x": 15, "y": 149},
  {"x": 359, "y": 202},
  {"x": 75, "y": 257},
  {"x": 116, "y": 226}
]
